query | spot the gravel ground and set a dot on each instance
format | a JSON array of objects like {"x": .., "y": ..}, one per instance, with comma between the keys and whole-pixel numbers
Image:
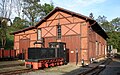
[
  {"x": 112, "y": 69},
  {"x": 11, "y": 62},
  {"x": 58, "y": 70},
  {"x": 69, "y": 69},
  {"x": 12, "y": 68}
]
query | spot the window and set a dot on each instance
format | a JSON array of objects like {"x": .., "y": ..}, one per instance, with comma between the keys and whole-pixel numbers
[
  {"x": 59, "y": 31},
  {"x": 39, "y": 34},
  {"x": 97, "y": 48}
]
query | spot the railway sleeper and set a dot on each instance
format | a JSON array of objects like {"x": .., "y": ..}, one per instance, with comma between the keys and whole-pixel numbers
[{"x": 97, "y": 69}]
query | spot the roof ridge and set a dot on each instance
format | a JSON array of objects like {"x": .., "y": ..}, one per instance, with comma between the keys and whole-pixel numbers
[{"x": 64, "y": 10}]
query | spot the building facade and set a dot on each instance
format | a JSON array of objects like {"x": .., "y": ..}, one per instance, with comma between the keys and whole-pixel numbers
[{"x": 83, "y": 36}]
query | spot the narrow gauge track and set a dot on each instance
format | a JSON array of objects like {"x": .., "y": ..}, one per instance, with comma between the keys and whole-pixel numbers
[
  {"x": 16, "y": 72},
  {"x": 97, "y": 69},
  {"x": 10, "y": 65}
]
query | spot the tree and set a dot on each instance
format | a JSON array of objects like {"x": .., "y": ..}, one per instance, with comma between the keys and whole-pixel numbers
[
  {"x": 19, "y": 23},
  {"x": 114, "y": 39},
  {"x": 114, "y": 35},
  {"x": 101, "y": 19},
  {"x": 33, "y": 10},
  {"x": 105, "y": 25},
  {"x": 46, "y": 8},
  {"x": 116, "y": 24},
  {"x": 3, "y": 31},
  {"x": 6, "y": 8},
  {"x": 5, "y": 13},
  {"x": 112, "y": 29},
  {"x": 91, "y": 15},
  {"x": 18, "y": 7}
]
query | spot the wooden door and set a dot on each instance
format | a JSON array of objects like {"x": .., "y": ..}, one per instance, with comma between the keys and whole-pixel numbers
[{"x": 24, "y": 44}]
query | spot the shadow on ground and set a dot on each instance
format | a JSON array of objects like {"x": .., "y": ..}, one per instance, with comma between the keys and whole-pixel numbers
[{"x": 77, "y": 71}]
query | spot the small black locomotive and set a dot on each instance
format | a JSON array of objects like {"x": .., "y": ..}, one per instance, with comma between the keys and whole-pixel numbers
[{"x": 55, "y": 55}]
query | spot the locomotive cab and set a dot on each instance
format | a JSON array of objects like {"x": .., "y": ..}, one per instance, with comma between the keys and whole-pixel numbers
[
  {"x": 60, "y": 49},
  {"x": 60, "y": 45}
]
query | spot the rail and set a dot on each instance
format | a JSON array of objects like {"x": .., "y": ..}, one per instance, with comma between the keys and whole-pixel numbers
[
  {"x": 16, "y": 72},
  {"x": 97, "y": 69}
]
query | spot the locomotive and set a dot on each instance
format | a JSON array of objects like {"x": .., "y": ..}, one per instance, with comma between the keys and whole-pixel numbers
[{"x": 55, "y": 55}]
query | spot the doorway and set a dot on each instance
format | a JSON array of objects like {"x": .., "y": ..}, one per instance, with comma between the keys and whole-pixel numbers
[{"x": 23, "y": 50}]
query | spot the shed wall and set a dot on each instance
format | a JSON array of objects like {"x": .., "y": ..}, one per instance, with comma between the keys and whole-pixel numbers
[
  {"x": 24, "y": 40},
  {"x": 81, "y": 41},
  {"x": 72, "y": 29}
]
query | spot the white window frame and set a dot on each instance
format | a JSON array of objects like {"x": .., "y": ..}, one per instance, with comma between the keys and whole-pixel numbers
[{"x": 39, "y": 36}]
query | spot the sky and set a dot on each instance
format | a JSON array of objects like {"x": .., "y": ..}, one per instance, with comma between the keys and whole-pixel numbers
[{"x": 108, "y": 8}]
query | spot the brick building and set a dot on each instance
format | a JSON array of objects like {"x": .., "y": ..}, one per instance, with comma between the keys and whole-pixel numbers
[{"x": 83, "y": 36}]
